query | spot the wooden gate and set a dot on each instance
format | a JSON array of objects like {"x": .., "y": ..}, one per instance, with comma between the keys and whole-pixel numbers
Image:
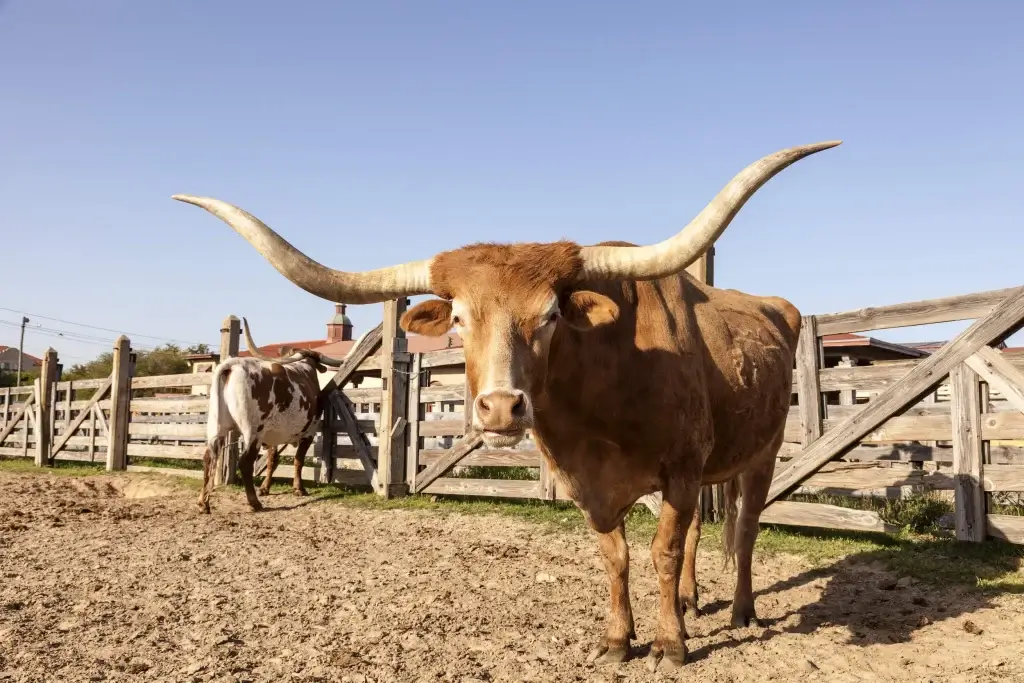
[
  {"x": 17, "y": 420},
  {"x": 966, "y": 363}
]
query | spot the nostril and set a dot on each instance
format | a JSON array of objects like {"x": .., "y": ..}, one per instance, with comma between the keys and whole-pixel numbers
[
  {"x": 483, "y": 407},
  {"x": 518, "y": 405}
]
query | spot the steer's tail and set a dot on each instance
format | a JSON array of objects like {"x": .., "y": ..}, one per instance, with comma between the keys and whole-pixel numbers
[{"x": 732, "y": 493}]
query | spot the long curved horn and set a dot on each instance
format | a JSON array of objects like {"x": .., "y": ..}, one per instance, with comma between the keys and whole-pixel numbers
[
  {"x": 255, "y": 352},
  {"x": 372, "y": 286},
  {"x": 679, "y": 251}
]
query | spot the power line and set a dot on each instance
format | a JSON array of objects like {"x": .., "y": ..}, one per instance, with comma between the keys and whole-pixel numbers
[{"x": 94, "y": 327}]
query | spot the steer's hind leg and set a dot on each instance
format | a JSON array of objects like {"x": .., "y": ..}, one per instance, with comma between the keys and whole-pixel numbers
[
  {"x": 614, "y": 647},
  {"x": 246, "y": 464},
  {"x": 272, "y": 452},
  {"x": 300, "y": 460},
  {"x": 677, "y": 509},
  {"x": 754, "y": 485},
  {"x": 688, "y": 584}
]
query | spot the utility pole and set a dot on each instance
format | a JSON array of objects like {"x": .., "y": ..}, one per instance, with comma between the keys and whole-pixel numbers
[{"x": 21, "y": 349}]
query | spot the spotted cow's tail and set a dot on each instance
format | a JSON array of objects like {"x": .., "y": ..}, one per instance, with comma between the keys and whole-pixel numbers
[
  {"x": 732, "y": 494},
  {"x": 217, "y": 407}
]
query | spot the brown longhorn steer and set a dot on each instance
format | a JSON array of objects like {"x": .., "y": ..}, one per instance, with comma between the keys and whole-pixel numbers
[{"x": 633, "y": 376}]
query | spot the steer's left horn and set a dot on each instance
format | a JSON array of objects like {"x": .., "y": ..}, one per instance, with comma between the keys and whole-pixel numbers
[
  {"x": 255, "y": 352},
  {"x": 369, "y": 287},
  {"x": 679, "y": 251}
]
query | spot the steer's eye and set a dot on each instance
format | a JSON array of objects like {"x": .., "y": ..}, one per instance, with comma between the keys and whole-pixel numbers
[
  {"x": 456, "y": 320},
  {"x": 553, "y": 316}
]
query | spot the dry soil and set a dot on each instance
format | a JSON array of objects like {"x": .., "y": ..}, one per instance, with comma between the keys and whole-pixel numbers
[{"x": 118, "y": 578}]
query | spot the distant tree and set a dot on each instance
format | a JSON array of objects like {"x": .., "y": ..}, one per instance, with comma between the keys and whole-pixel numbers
[
  {"x": 163, "y": 360},
  {"x": 9, "y": 378}
]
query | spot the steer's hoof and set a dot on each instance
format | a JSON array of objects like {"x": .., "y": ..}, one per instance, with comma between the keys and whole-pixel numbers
[
  {"x": 691, "y": 610},
  {"x": 256, "y": 506},
  {"x": 264, "y": 492},
  {"x": 204, "y": 508},
  {"x": 300, "y": 492},
  {"x": 609, "y": 653},
  {"x": 745, "y": 620},
  {"x": 668, "y": 656}
]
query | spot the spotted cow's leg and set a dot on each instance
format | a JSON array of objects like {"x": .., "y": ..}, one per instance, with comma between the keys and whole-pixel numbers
[
  {"x": 300, "y": 461},
  {"x": 614, "y": 646},
  {"x": 272, "y": 452},
  {"x": 246, "y": 464},
  {"x": 677, "y": 509},
  {"x": 209, "y": 459}
]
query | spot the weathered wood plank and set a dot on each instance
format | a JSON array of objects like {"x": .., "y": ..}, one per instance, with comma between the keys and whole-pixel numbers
[
  {"x": 485, "y": 458},
  {"x": 788, "y": 513},
  {"x": 1007, "y": 527},
  {"x": 185, "y": 404},
  {"x": 1003, "y": 478},
  {"x": 808, "y": 390},
  {"x": 414, "y": 410},
  {"x": 394, "y": 377},
  {"x": 942, "y": 310},
  {"x": 442, "y": 393},
  {"x": 461, "y": 449},
  {"x": 201, "y": 379},
  {"x": 853, "y": 476},
  {"x": 162, "y": 450},
  {"x": 167, "y": 430},
  {"x": 1000, "y": 374},
  {"x": 430, "y": 428},
  {"x": 444, "y": 357},
  {"x": 493, "y": 488},
  {"x": 872, "y": 378},
  {"x": 967, "y": 454},
  {"x": 1004, "y": 318},
  {"x": 81, "y": 384}
]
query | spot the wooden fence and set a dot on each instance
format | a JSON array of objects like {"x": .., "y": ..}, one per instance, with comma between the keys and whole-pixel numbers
[{"x": 928, "y": 425}]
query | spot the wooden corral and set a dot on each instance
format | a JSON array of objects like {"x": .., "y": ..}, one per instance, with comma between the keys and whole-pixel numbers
[{"x": 921, "y": 425}]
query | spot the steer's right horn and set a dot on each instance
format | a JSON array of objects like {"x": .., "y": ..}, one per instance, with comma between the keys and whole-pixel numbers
[
  {"x": 372, "y": 286},
  {"x": 677, "y": 252}
]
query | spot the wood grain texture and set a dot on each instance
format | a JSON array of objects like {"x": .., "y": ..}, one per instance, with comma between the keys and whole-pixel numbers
[
  {"x": 491, "y": 488},
  {"x": 967, "y": 454},
  {"x": 1006, "y": 527},
  {"x": 925, "y": 375},
  {"x": 442, "y": 465},
  {"x": 1000, "y": 374},
  {"x": 824, "y": 516},
  {"x": 929, "y": 311}
]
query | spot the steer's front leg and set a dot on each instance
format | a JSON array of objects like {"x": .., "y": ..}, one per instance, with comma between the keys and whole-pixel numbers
[
  {"x": 677, "y": 508},
  {"x": 614, "y": 647}
]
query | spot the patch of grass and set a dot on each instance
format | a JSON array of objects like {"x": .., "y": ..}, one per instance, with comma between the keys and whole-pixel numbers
[
  {"x": 993, "y": 566},
  {"x": 67, "y": 468}
]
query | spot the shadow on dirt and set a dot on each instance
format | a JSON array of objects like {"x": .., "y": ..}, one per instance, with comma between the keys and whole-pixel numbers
[{"x": 884, "y": 596}]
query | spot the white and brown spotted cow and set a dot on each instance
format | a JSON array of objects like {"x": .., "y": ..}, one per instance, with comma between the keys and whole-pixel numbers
[{"x": 269, "y": 402}]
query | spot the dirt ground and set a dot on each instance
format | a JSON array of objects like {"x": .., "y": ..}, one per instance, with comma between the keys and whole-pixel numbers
[{"x": 119, "y": 578}]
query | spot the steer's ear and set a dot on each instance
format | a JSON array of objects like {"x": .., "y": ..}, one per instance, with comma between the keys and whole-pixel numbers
[
  {"x": 584, "y": 310},
  {"x": 432, "y": 318}
]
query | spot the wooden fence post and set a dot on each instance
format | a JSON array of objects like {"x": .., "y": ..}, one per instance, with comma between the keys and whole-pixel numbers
[
  {"x": 328, "y": 440},
  {"x": 226, "y": 471},
  {"x": 45, "y": 394},
  {"x": 808, "y": 381},
  {"x": 394, "y": 374},
  {"x": 120, "y": 405},
  {"x": 414, "y": 413},
  {"x": 968, "y": 485}
]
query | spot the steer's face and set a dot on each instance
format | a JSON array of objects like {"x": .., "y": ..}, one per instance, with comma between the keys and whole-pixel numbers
[{"x": 506, "y": 302}]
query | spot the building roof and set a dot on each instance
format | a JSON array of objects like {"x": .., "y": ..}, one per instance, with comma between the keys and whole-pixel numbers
[
  {"x": 33, "y": 360},
  {"x": 416, "y": 344},
  {"x": 871, "y": 347},
  {"x": 275, "y": 348}
]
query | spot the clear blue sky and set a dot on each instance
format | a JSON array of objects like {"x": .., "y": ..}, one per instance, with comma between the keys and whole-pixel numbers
[{"x": 373, "y": 133}]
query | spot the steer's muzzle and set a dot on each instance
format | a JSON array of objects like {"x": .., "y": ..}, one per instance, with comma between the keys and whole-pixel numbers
[{"x": 503, "y": 416}]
